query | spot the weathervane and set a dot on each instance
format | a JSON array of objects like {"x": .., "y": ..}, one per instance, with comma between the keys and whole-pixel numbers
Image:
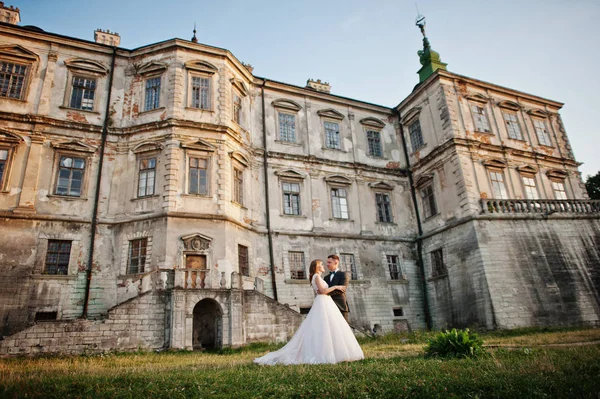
[
  {"x": 194, "y": 39},
  {"x": 420, "y": 21}
]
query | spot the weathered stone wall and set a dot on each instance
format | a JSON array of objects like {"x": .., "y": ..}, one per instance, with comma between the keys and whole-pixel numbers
[
  {"x": 268, "y": 320},
  {"x": 137, "y": 324}
]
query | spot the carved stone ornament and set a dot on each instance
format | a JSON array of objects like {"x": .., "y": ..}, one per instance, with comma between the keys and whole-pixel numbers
[{"x": 196, "y": 242}]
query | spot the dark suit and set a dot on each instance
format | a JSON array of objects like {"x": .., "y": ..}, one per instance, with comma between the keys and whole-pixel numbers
[{"x": 339, "y": 297}]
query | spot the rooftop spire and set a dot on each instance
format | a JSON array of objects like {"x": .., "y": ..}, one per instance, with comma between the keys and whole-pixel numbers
[
  {"x": 429, "y": 58},
  {"x": 194, "y": 39}
]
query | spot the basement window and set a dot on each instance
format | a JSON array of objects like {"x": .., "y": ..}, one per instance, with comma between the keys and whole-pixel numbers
[
  {"x": 46, "y": 316},
  {"x": 304, "y": 310},
  {"x": 398, "y": 312}
]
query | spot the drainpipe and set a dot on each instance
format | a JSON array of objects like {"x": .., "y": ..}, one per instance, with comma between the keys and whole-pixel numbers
[
  {"x": 268, "y": 210},
  {"x": 420, "y": 263},
  {"x": 97, "y": 191}
]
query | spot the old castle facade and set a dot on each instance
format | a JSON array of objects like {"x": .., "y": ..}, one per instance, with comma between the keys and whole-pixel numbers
[{"x": 166, "y": 197}]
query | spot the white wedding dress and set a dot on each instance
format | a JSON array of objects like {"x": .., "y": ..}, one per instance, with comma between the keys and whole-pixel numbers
[{"x": 323, "y": 337}]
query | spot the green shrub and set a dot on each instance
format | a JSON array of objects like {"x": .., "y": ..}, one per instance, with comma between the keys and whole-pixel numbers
[{"x": 455, "y": 343}]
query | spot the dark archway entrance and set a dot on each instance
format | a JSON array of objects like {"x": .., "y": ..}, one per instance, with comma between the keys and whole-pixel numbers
[{"x": 208, "y": 325}]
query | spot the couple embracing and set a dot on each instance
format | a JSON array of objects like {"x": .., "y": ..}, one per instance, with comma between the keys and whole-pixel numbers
[{"x": 324, "y": 336}]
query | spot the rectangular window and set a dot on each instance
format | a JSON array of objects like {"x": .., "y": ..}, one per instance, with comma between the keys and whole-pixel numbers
[
  {"x": 394, "y": 267},
  {"x": 498, "y": 186},
  {"x": 291, "y": 198},
  {"x": 512, "y": 126},
  {"x": 384, "y": 208},
  {"x": 200, "y": 92},
  {"x": 480, "y": 117},
  {"x": 339, "y": 203},
  {"x": 12, "y": 80},
  {"x": 82, "y": 96},
  {"x": 152, "y": 93},
  {"x": 416, "y": 136},
  {"x": 70, "y": 176},
  {"x": 3, "y": 165},
  {"x": 347, "y": 264},
  {"x": 243, "y": 261},
  {"x": 137, "y": 256},
  {"x": 428, "y": 200},
  {"x": 57, "y": 257},
  {"x": 398, "y": 312},
  {"x": 332, "y": 135},
  {"x": 541, "y": 132},
  {"x": 237, "y": 108},
  {"x": 198, "y": 182},
  {"x": 287, "y": 127},
  {"x": 238, "y": 186},
  {"x": 374, "y": 142},
  {"x": 531, "y": 191},
  {"x": 147, "y": 177},
  {"x": 438, "y": 268},
  {"x": 297, "y": 267},
  {"x": 559, "y": 190}
]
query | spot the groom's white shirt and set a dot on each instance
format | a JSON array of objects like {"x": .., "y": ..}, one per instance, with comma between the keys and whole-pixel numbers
[{"x": 331, "y": 273}]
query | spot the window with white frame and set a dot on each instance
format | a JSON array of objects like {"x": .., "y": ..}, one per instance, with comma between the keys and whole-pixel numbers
[
  {"x": 512, "y": 125},
  {"x": 12, "y": 80},
  {"x": 438, "y": 267},
  {"x": 287, "y": 127},
  {"x": 428, "y": 201},
  {"x": 291, "y": 198},
  {"x": 152, "y": 100},
  {"x": 393, "y": 262},
  {"x": 146, "y": 177},
  {"x": 137, "y": 256},
  {"x": 200, "y": 92},
  {"x": 416, "y": 136},
  {"x": 542, "y": 132},
  {"x": 348, "y": 264},
  {"x": 498, "y": 185},
  {"x": 374, "y": 143},
  {"x": 531, "y": 191},
  {"x": 237, "y": 108},
  {"x": 83, "y": 92},
  {"x": 332, "y": 135},
  {"x": 69, "y": 181},
  {"x": 339, "y": 203},
  {"x": 198, "y": 176},
  {"x": 297, "y": 266},
  {"x": 559, "y": 190},
  {"x": 384, "y": 208},
  {"x": 480, "y": 118},
  {"x": 238, "y": 185},
  {"x": 57, "y": 257}
]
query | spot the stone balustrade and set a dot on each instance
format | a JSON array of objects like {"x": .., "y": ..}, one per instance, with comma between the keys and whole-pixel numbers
[
  {"x": 541, "y": 206},
  {"x": 193, "y": 278}
]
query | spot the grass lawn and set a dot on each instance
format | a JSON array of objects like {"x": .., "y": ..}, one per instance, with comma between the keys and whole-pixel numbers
[{"x": 515, "y": 366}]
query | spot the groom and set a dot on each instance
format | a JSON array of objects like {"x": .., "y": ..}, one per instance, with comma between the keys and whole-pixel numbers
[{"x": 337, "y": 277}]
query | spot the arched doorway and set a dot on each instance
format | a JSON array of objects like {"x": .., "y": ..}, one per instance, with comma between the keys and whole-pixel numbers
[{"x": 207, "y": 327}]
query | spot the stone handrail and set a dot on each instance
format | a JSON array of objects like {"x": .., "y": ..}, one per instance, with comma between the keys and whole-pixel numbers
[
  {"x": 545, "y": 207},
  {"x": 192, "y": 278}
]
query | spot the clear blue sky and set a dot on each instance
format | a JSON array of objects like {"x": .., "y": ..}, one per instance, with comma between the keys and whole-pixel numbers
[{"x": 367, "y": 49}]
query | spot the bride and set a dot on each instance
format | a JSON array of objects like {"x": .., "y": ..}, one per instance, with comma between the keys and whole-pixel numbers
[{"x": 324, "y": 336}]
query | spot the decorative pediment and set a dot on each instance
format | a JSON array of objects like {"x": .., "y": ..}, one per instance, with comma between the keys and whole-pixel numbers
[
  {"x": 241, "y": 158},
  {"x": 478, "y": 97},
  {"x": 288, "y": 105},
  {"x": 89, "y": 66},
  {"x": 196, "y": 242},
  {"x": 74, "y": 145},
  {"x": 495, "y": 163},
  {"x": 510, "y": 105},
  {"x": 9, "y": 137},
  {"x": 330, "y": 113},
  {"x": 18, "y": 52},
  {"x": 381, "y": 186},
  {"x": 290, "y": 174},
  {"x": 423, "y": 180},
  {"x": 199, "y": 145},
  {"x": 557, "y": 174},
  {"x": 201, "y": 66},
  {"x": 412, "y": 114},
  {"x": 540, "y": 113},
  {"x": 372, "y": 122},
  {"x": 527, "y": 169},
  {"x": 152, "y": 67},
  {"x": 240, "y": 86},
  {"x": 338, "y": 179},
  {"x": 147, "y": 146}
]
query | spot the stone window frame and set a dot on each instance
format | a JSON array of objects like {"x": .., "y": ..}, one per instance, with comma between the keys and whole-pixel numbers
[
  {"x": 125, "y": 248},
  {"x": 401, "y": 273},
  {"x": 42, "y": 253},
  {"x": 357, "y": 275},
  {"x": 428, "y": 209},
  {"x": 8, "y": 142},
  {"x": 19, "y": 55},
  {"x": 200, "y": 69},
  {"x": 245, "y": 244},
  {"x": 413, "y": 116},
  {"x": 512, "y": 109},
  {"x": 287, "y": 107},
  {"x": 330, "y": 115},
  {"x": 72, "y": 148},
  {"x": 481, "y": 102},
  {"x": 148, "y": 71},
  {"x": 371, "y": 124},
  {"x": 291, "y": 176},
  {"x": 288, "y": 268},
  {"x": 558, "y": 177},
  {"x": 529, "y": 172},
  {"x": 441, "y": 270},
  {"x": 87, "y": 69},
  {"x": 339, "y": 182},
  {"x": 141, "y": 269},
  {"x": 384, "y": 189},
  {"x": 541, "y": 116},
  {"x": 497, "y": 166},
  {"x": 239, "y": 89},
  {"x": 146, "y": 150},
  {"x": 198, "y": 149},
  {"x": 240, "y": 163}
]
